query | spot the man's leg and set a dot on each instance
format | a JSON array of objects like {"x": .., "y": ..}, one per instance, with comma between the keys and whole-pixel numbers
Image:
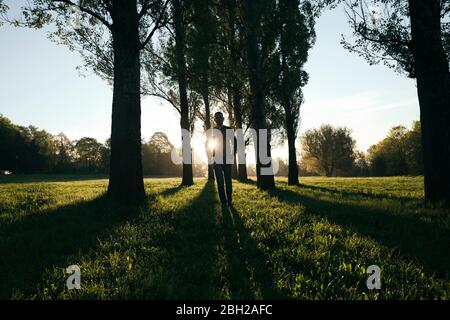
[
  {"x": 228, "y": 182},
  {"x": 219, "y": 178}
]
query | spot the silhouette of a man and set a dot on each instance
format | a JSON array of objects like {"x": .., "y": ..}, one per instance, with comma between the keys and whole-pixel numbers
[{"x": 223, "y": 153}]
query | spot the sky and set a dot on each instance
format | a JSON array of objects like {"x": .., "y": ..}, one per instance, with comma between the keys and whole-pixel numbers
[{"x": 40, "y": 86}]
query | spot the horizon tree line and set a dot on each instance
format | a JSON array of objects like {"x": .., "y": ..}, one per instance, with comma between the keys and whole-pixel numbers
[
  {"x": 328, "y": 151},
  {"x": 30, "y": 150}
]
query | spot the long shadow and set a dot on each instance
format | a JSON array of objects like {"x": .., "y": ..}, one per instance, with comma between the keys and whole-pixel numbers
[
  {"x": 250, "y": 182},
  {"x": 349, "y": 193},
  {"x": 197, "y": 267},
  {"x": 426, "y": 242},
  {"x": 364, "y": 194},
  {"x": 238, "y": 274},
  {"x": 44, "y": 239},
  {"x": 248, "y": 274},
  {"x": 192, "y": 247},
  {"x": 33, "y": 178},
  {"x": 172, "y": 191}
]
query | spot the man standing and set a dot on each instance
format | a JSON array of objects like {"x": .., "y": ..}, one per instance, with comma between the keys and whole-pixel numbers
[{"x": 223, "y": 152}]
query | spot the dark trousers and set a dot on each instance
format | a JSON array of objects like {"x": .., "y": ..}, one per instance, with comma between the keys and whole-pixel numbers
[{"x": 223, "y": 174}]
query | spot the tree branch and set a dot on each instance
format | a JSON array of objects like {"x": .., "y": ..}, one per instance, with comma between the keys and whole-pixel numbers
[
  {"x": 157, "y": 25},
  {"x": 88, "y": 11}
]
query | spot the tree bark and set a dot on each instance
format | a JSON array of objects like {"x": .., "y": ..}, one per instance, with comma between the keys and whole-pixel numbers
[
  {"x": 264, "y": 182},
  {"x": 242, "y": 167},
  {"x": 290, "y": 130},
  {"x": 180, "y": 39},
  {"x": 290, "y": 118},
  {"x": 232, "y": 122},
  {"x": 235, "y": 84},
  {"x": 207, "y": 127},
  {"x": 126, "y": 182},
  {"x": 433, "y": 86}
]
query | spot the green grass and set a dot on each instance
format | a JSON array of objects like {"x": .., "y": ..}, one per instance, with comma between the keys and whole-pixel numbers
[{"x": 309, "y": 242}]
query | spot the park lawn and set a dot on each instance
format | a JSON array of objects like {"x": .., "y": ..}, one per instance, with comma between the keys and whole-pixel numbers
[{"x": 309, "y": 242}]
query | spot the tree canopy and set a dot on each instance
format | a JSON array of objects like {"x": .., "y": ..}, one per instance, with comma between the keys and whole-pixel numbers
[
  {"x": 382, "y": 32},
  {"x": 329, "y": 150}
]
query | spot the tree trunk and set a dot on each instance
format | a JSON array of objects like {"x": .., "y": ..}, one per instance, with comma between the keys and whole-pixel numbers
[
  {"x": 242, "y": 167},
  {"x": 232, "y": 122},
  {"x": 207, "y": 127},
  {"x": 235, "y": 84},
  {"x": 264, "y": 182},
  {"x": 180, "y": 38},
  {"x": 433, "y": 86},
  {"x": 126, "y": 182},
  {"x": 293, "y": 166},
  {"x": 290, "y": 119}
]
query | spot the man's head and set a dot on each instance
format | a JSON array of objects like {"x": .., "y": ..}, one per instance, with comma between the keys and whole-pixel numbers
[{"x": 218, "y": 118}]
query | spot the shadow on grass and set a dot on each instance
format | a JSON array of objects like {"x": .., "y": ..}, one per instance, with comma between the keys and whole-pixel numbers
[
  {"x": 349, "y": 193},
  {"x": 33, "y": 178},
  {"x": 248, "y": 274},
  {"x": 172, "y": 191},
  {"x": 192, "y": 258},
  {"x": 195, "y": 268},
  {"x": 426, "y": 242},
  {"x": 44, "y": 239},
  {"x": 251, "y": 182}
]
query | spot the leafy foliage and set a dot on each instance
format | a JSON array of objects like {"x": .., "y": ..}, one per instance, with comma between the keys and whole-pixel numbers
[
  {"x": 400, "y": 153},
  {"x": 329, "y": 150},
  {"x": 296, "y": 36},
  {"x": 3, "y": 9},
  {"x": 382, "y": 32}
]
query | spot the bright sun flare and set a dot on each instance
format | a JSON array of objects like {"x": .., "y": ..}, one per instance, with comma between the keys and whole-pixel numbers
[{"x": 211, "y": 144}]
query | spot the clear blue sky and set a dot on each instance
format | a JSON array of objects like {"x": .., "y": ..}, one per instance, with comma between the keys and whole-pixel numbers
[{"x": 39, "y": 85}]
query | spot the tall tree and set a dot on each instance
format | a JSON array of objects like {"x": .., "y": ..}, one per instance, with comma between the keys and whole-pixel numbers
[
  {"x": 414, "y": 38},
  {"x": 414, "y": 149},
  {"x": 89, "y": 154},
  {"x": 110, "y": 35},
  {"x": 9, "y": 145},
  {"x": 228, "y": 104},
  {"x": 400, "y": 153},
  {"x": 178, "y": 11},
  {"x": 388, "y": 157},
  {"x": 329, "y": 150},
  {"x": 156, "y": 156},
  {"x": 257, "y": 20},
  {"x": 296, "y": 36},
  {"x": 64, "y": 152},
  {"x": 159, "y": 142},
  {"x": 169, "y": 76},
  {"x": 201, "y": 47},
  {"x": 433, "y": 86},
  {"x": 234, "y": 70}
]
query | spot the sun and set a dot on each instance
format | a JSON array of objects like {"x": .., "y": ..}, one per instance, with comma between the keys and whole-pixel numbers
[{"x": 211, "y": 144}]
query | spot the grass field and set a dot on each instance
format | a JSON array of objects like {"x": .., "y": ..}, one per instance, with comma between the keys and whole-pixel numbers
[{"x": 308, "y": 242}]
